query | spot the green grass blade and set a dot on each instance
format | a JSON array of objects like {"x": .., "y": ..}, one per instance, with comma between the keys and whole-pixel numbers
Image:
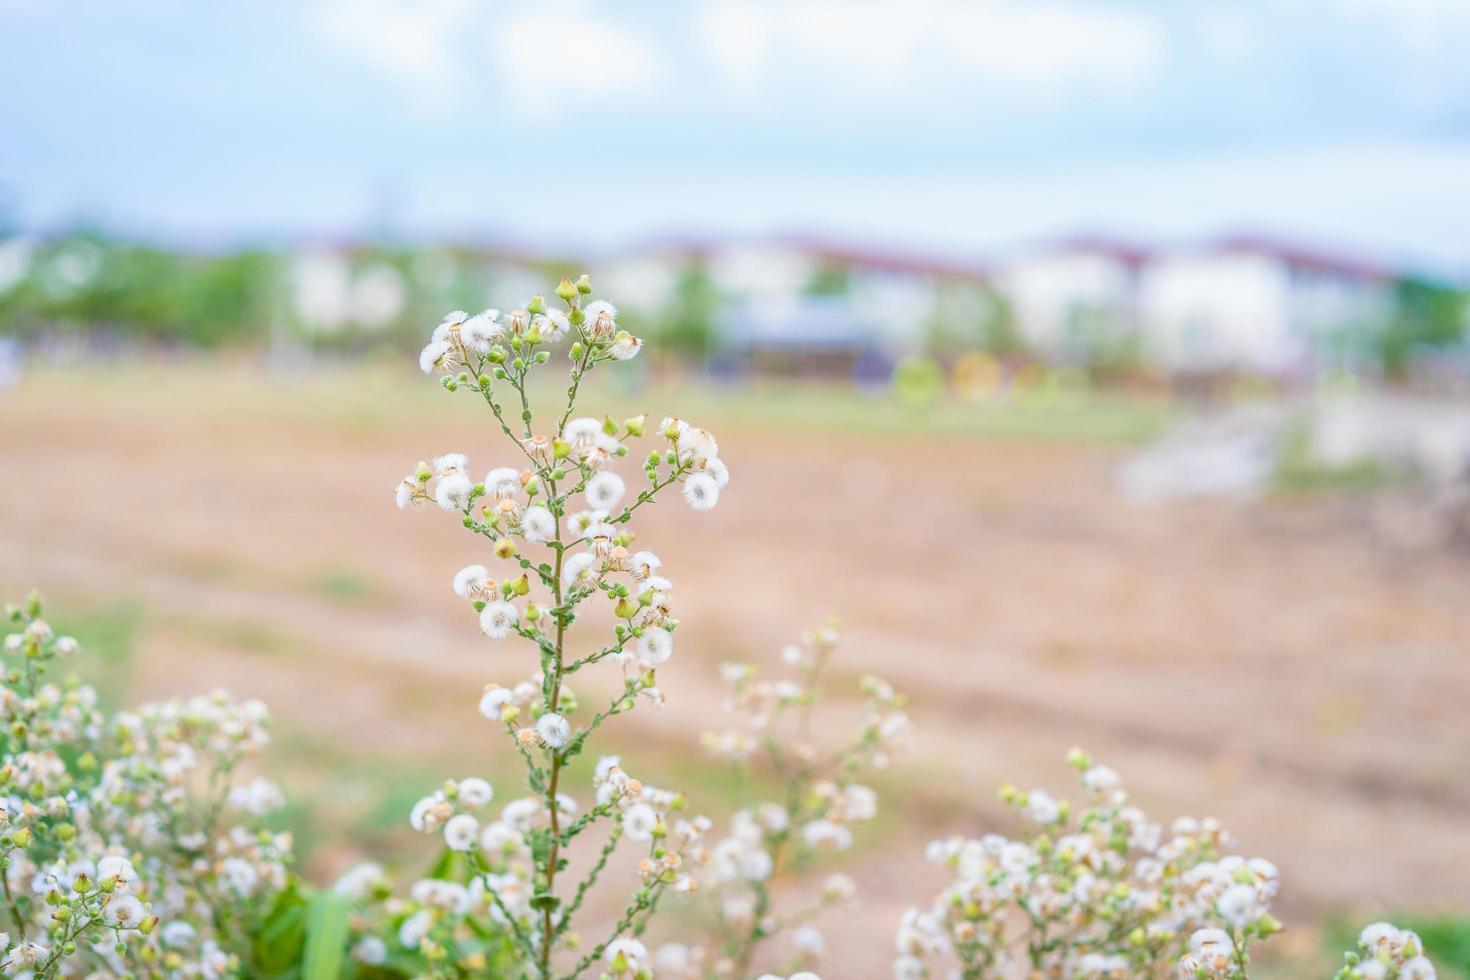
[{"x": 326, "y": 937}]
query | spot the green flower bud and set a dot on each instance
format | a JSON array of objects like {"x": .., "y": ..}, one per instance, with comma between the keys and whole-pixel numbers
[
  {"x": 584, "y": 285},
  {"x": 565, "y": 291},
  {"x": 537, "y": 304}
]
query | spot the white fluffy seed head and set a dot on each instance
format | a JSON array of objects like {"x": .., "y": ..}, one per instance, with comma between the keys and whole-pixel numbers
[
  {"x": 447, "y": 463},
  {"x": 639, "y": 822},
  {"x": 453, "y": 492},
  {"x": 625, "y": 346},
  {"x": 479, "y": 331},
  {"x": 578, "y": 568},
  {"x": 655, "y": 647},
  {"x": 498, "y": 619},
  {"x": 494, "y": 699},
  {"x": 474, "y": 791},
  {"x": 701, "y": 492},
  {"x": 697, "y": 443},
  {"x": 538, "y": 524},
  {"x": 604, "y": 490},
  {"x": 717, "y": 469},
  {"x": 435, "y": 355},
  {"x": 468, "y": 580},
  {"x": 553, "y": 730},
  {"x": 461, "y": 832},
  {"x": 502, "y": 482}
]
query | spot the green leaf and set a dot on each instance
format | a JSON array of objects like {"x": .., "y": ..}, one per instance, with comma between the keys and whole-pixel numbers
[{"x": 326, "y": 937}]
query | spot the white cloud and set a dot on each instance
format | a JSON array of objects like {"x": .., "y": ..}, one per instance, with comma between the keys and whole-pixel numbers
[
  {"x": 444, "y": 53},
  {"x": 554, "y": 58},
  {"x": 415, "y": 43},
  {"x": 1050, "y": 45},
  {"x": 1029, "y": 46}
]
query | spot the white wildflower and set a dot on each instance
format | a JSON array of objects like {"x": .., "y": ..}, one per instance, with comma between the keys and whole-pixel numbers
[
  {"x": 435, "y": 355},
  {"x": 123, "y": 911},
  {"x": 479, "y": 332},
  {"x": 494, "y": 700},
  {"x": 538, "y": 524},
  {"x": 453, "y": 492},
  {"x": 469, "y": 580},
  {"x": 639, "y": 822},
  {"x": 701, "y": 491},
  {"x": 644, "y": 564},
  {"x": 601, "y": 318},
  {"x": 604, "y": 491},
  {"x": 696, "y": 444},
  {"x": 655, "y": 646},
  {"x": 578, "y": 569},
  {"x": 553, "y": 730},
  {"x": 625, "y": 346},
  {"x": 502, "y": 482},
  {"x": 499, "y": 619},
  {"x": 475, "y": 792},
  {"x": 718, "y": 471},
  {"x": 461, "y": 832},
  {"x": 553, "y": 325},
  {"x": 1237, "y": 905},
  {"x": 448, "y": 328}
]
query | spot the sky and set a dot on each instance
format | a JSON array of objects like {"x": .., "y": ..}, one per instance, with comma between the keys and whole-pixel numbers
[{"x": 937, "y": 126}]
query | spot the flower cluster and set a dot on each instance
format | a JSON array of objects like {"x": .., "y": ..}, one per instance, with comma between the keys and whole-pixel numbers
[
  {"x": 1386, "y": 952},
  {"x": 1103, "y": 892},
  {"x": 556, "y": 529},
  {"x": 126, "y": 845},
  {"x": 821, "y": 801}
]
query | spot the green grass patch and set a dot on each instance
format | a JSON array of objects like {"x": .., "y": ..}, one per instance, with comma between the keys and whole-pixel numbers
[
  {"x": 372, "y": 398},
  {"x": 345, "y": 585},
  {"x": 250, "y": 635},
  {"x": 108, "y": 635},
  {"x": 1297, "y": 472}
]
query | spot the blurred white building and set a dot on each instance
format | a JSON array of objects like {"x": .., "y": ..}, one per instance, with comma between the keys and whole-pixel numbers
[
  {"x": 1240, "y": 304},
  {"x": 1069, "y": 295},
  {"x": 842, "y": 304},
  {"x": 1259, "y": 306}
]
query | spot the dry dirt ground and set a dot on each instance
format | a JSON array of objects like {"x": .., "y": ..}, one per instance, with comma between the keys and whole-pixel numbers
[{"x": 1269, "y": 665}]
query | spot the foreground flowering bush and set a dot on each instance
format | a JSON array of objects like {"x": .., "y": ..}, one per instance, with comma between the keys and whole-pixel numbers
[
  {"x": 1106, "y": 892},
  {"x": 130, "y": 844},
  {"x": 136, "y": 845}
]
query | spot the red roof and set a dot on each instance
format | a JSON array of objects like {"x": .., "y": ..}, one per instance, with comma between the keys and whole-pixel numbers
[
  {"x": 1128, "y": 253},
  {"x": 1303, "y": 259}
]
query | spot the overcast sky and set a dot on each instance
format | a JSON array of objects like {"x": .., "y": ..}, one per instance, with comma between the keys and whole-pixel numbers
[{"x": 934, "y": 125}]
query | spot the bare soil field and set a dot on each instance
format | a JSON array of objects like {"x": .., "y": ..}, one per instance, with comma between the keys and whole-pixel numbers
[{"x": 1269, "y": 665}]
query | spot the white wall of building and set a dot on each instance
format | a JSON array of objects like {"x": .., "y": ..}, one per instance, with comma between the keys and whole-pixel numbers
[
  {"x": 1251, "y": 311},
  {"x": 1053, "y": 294},
  {"x": 762, "y": 271},
  {"x": 1211, "y": 312}
]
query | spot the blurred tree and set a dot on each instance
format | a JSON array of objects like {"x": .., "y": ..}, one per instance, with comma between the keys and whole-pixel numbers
[
  {"x": 1426, "y": 315},
  {"x": 688, "y": 325},
  {"x": 829, "y": 279}
]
